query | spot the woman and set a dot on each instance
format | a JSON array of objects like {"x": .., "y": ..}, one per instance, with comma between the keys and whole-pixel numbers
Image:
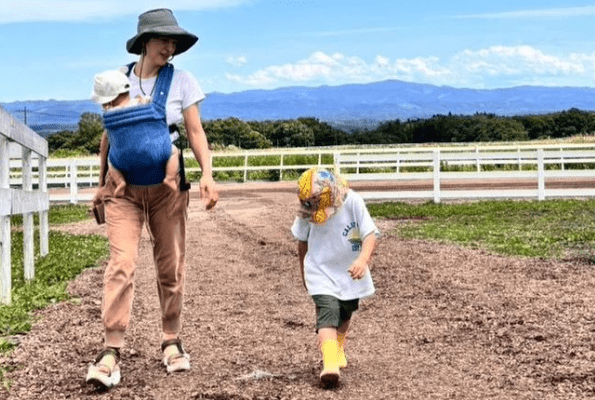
[{"x": 158, "y": 39}]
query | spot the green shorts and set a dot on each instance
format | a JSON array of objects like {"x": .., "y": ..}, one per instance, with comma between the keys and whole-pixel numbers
[{"x": 332, "y": 312}]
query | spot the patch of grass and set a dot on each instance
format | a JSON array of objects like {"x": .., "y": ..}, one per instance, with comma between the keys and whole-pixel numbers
[
  {"x": 58, "y": 215},
  {"x": 553, "y": 229},
  {"x": 69, "y": 255}
]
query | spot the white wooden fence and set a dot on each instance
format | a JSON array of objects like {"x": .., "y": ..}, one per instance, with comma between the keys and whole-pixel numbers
[
  {"x": 482, "y": 164},
  {"x": 21, "y": 198},
  {"x": 439, "y": 165}
]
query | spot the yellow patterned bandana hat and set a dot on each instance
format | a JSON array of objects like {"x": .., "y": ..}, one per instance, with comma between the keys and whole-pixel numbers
[{"x": 321, "y": 194}]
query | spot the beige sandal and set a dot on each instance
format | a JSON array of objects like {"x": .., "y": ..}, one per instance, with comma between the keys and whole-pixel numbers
[
  {"x": 103, "y": 373},
  {"x": 175, "y": 358}
]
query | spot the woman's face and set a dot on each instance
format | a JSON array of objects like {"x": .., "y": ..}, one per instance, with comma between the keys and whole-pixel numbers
[{"x": 160, "y": 49}]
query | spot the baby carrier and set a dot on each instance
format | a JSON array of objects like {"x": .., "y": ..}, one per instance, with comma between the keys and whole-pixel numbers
[{"x": 139, "y": 137}]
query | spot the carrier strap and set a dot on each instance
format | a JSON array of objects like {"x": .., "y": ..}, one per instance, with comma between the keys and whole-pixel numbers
[{"x": 162, "y": 84}]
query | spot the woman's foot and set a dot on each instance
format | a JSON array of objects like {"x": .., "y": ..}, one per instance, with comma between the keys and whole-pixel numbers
[
  {"x": 105, "y": 372},
  {"x": 175, "y": 357}
]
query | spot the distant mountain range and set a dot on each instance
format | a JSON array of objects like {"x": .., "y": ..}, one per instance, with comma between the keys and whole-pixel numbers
[{"x": 346, "y": 106}]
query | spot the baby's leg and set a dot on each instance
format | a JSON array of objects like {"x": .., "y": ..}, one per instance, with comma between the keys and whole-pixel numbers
[
  {"x": 171, "y": 168},
  {"x": 119, "y": 180}
]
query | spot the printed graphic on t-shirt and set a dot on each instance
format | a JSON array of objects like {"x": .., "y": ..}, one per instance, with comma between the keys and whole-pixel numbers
[{"x": 352, "y": 234}]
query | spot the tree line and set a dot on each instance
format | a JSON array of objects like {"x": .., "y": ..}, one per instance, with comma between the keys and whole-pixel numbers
[{"x": 304, "y": 132}]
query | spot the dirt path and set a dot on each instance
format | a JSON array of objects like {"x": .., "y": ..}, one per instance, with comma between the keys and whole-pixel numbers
[{"x": 446, "y": 323}]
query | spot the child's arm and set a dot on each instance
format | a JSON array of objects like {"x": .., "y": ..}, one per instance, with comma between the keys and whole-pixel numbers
[
  {"x": 302, "y": 250},
  {"x": 360, "y": 265}
]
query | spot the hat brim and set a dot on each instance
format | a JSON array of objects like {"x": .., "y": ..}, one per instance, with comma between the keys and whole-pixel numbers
[
  {"x": 102, "y": 99},
  {"x": 185, "y": 39}
]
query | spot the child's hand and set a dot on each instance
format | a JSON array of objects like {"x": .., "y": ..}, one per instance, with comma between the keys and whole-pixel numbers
[{"x": 358, "y": 269}]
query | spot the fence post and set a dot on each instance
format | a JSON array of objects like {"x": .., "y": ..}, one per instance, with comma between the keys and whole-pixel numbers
[
  {"x": 477, "y": 159},
  {"x": 561, "y": 160},
  {"x": 73, "y": 183},
  {"x": 44, "y": 228},
  {"x": 5, "y": 239},
  {"x": 281, "y": 169},
  {"x": 540, "y": 175},
  {"x": 245, "y": 167},
  {"x": 337, "y": 162},
  {"x": 436, "y": 157},
  {"x": 28, "y": 229}
]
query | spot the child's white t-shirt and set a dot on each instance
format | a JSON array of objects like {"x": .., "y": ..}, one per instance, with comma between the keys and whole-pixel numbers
[
  {"x": 332, "y": 248},
  {"x": 183, "y": 92}
]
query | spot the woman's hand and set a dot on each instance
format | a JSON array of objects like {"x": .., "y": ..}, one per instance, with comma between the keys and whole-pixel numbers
[{"x": 208, "y": 192}]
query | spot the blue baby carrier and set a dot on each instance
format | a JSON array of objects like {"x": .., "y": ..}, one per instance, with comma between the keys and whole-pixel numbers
[{"x": 140, "y": 144}]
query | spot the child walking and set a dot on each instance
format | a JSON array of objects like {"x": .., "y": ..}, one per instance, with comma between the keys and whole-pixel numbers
[
  {"x": 336, "y": 237},
  {"x": 111, "y": 90}
]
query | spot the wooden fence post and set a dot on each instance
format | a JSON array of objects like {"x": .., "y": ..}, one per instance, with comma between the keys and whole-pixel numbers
[
  {"x": 44, "y": 226},
  {"x": 436, "y": 156},
  {"x": 540, "y": 175},
  {"x": 5, "y": 239},
  {"x": 281, "y": 169},
  {"x": 245, "y": 167},
  {"x": 337, "y": 162},
  {"x": 28, "y": 228},
  {"x": 73, "y": 181}
]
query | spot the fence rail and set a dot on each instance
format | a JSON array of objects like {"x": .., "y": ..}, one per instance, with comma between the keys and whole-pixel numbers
[
  {"x": 21, "y": 198},
  {"x": 396, "y": 164}
]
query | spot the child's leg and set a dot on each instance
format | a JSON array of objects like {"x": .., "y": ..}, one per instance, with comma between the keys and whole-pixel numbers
[
  {"x": 347, "y": 309},
  {"x": 171, "y": 168},
  {"x": 329, "y": 347},
  {"x": 119, "y": 180},
  {"x": 327, "y": 321},
  {"x": 341, "y": 340}
]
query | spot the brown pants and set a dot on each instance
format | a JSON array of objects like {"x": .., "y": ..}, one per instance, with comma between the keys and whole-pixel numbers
[{"x": 165, "y": 212}]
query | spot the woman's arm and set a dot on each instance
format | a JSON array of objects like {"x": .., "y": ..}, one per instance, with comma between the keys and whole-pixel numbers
[
  {"x": 200, "y": 147},
  {"x": 103, "y": 146}
]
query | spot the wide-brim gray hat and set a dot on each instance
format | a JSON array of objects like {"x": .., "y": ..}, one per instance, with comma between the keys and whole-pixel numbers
[{"x": 160, "y": 22}]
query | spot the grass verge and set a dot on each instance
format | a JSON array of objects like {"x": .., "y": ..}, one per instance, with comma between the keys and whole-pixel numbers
[{"x": 553, "y": 229}]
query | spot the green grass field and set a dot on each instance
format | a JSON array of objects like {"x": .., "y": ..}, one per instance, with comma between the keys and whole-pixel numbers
[{"x": 553, "y": 229}]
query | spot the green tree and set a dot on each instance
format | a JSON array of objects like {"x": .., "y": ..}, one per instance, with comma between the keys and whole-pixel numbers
[
  {"x": 233, "y": 131},
  {"x": 324, "y": 134},
  {"x": 500, "y": 130},
  {"x": 89, "y": 134},
  {"x": 61, "y": 140},
  {"x": 293, "y": 134}
]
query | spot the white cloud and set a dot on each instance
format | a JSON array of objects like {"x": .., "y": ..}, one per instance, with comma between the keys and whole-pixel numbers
[
  {"x": 237, "y": 61},
  {"x": 82, "y": 10},
  {"x": 562, "y": 12},
  {"x": 493, "y": 67}
]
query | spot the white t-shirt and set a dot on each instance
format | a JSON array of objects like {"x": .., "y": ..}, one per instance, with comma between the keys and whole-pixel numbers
[
  {"x": 332, "y": 248},
  {"x": 183, "y": 92}
]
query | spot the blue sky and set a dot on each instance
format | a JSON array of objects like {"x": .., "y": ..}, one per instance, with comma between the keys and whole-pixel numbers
[{"x": 52, "y": 49}]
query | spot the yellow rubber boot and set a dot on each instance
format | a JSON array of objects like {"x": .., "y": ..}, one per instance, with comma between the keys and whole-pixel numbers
[
  {"x": 341, "y": 359},
  {"x": 329, "y": 377}
]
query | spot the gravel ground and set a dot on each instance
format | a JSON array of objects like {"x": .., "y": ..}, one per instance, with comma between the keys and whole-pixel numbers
[{"x": 445, "y": 323}]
